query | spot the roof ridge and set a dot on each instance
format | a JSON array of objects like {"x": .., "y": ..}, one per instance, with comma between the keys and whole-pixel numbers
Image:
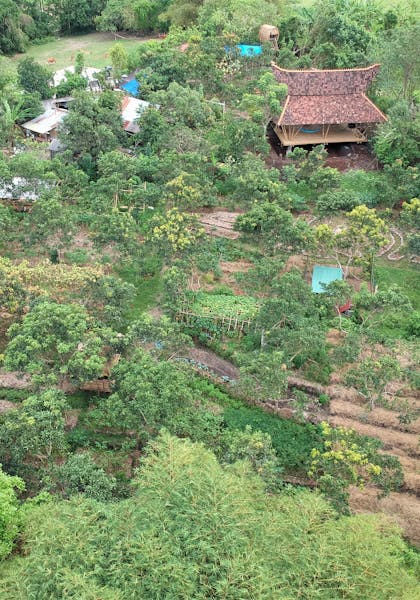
[
  {"x": 374, "y": 106},
  {"x": 352, "y": 69}
]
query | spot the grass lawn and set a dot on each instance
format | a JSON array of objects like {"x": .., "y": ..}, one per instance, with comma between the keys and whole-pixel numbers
[
  {"x": 147, "y": 289},
  {"x": 95, "y": 46},
  {"x": 402, "y": 274}
]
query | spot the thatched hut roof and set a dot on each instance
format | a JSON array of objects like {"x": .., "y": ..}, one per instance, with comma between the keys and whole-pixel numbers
[{"x": 269, "y": 33}]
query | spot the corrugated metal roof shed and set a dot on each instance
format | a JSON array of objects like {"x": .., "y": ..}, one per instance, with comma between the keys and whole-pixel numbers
[{"x": 47, "y": 122}]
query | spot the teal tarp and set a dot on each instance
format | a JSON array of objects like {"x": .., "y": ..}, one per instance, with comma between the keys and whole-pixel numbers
[{"x": 323, "y": 275}]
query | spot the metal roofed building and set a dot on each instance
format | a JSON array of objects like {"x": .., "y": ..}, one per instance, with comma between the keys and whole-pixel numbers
[
  {"x": 131, "y": 109},
  {"x": 21, "y": 193},
  {"x": 61, "y": 75},
  {"x": 326, "y": 106},
  {"x": 44, "y": 126}
]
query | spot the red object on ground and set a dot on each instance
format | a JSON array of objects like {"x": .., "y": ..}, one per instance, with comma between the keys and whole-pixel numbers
[{"x": 344, "y": 307}]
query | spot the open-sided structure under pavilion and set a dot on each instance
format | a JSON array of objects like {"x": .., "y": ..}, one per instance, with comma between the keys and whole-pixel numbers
[{"x": 326, "y": 106}]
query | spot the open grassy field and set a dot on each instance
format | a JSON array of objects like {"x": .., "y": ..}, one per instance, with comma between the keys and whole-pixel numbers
[
  {"x": 404, "y": 274},
  {"x": 95, "y": 46}
]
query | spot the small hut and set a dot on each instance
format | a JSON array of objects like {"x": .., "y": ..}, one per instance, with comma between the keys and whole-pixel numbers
[{"x": 269, "y": 33}]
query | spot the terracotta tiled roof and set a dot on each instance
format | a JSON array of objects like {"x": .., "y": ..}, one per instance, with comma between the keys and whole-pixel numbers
[{"x": 330, "y": 96}]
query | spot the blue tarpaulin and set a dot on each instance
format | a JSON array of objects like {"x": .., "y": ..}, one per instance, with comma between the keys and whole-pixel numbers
[
  {"x": 132, "y": 87},
  {"x": 245, "y": 50},
  {"x": 322, "y": 276}
]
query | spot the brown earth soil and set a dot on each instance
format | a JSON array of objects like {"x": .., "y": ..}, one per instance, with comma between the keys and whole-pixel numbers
[
  {"x": 219, "y": 223},
  {"x": 343, "y": 157},
  {"x": 402, "y": 508},
  {"x": 17, "y": 381},
  {"x": 5, "y": 405}
]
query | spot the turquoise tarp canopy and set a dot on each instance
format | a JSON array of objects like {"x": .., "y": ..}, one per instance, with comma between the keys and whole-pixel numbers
[{"x": 323, "y": 275}]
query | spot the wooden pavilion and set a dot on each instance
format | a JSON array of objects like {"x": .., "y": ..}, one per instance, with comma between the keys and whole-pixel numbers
[{"x": 326, "y": 106}]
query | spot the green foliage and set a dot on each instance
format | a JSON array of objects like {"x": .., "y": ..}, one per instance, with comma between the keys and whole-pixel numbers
[
  {"x": 371, "y": 377},
  {"x": 77, "y": 15},
  {"x": 292, "y": 441},
  {"x": 33, "y": 77},
  {"x": 397, "y": 139},
  {"x": 276, "y": 227},
  {"x": 400, "y": 66},
  {"x": 263, "y": 376},
  {"x": 340, "y": 33},
  {"x": 33, "y": 433},
  {"x": 195, "y": 529},
  {"x": 331, "y": 202},
  {"x": 410, "y": 214},
  {"x": 224, "y": 305},
  {"x": 184, "y": 105},
  {"x": 10, "y": 519},
  {"x": 252, "y": 182},
  {"x": 54, "y": 342},
  {"x": 255, "y": 447},
  {"x": 119, "y": 59},
  {"x": 267, "y": 100},
  {"x": 342, "y": 462},
  {"x": 80, "y": 475},
  {"x": 93, "y": 124},
  {"x": 148, "y": 394},
  {"x": 174, "y": 232},
  {"x": 239, "y": 18},
  {"x": 72, "y": 82},
  {"x": 290, "y": 320},
  {"x": 110, "y": 298}
]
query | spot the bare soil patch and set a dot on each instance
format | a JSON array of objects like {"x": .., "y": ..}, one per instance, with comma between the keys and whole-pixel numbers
[
  {"x": 343, "y": 157},
  {"x": 408, "y": 442},
  {"x": 402, "y": 508},
  {"x": 5, "y": 405},
  {"x": 220, "y": 366},
  {"x": 17, "y": 381},
  {"x": 219, "y": 223}
]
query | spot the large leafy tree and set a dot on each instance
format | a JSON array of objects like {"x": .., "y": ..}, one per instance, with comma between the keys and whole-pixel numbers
[
  {"x": 276, "y": 228},
  {"x": 55, "y": 342},
  {"x": 93, "y": 125},
  {"x": 400, "y": 66},
  {"x": 148, "y": 394},
  {"x": 290, "y": 320},
  {"x": 265, "y": 103},
  {"x": 12, "y": 37},
  {"x": 32, "y": 434},
  {"x": 33, "y": 77},
  {"x": 397, "y": 139},
  {"x": 12, "y": 112},
  {"x": 197, "y": 530},
  {"x": 77, "y": 15},
  {"x": 357, "y": 243}
]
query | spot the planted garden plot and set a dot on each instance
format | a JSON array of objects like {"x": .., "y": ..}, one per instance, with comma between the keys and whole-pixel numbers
[{"x": 223, "y": 311}]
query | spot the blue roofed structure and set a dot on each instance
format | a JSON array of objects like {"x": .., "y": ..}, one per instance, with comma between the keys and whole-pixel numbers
[
  {"x": 131, "y": 87},
  {"x": 323, "y": 275}
]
